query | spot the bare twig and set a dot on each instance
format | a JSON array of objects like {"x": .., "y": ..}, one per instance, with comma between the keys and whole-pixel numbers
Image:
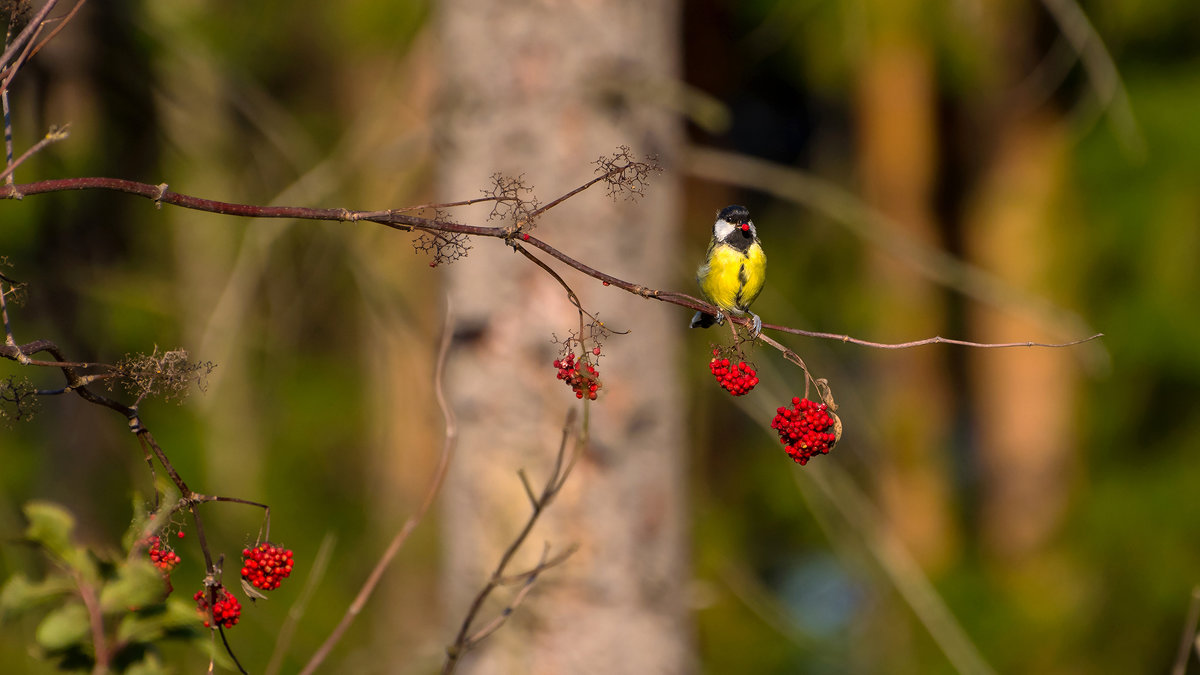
[
  {"x": 59, "y": 25},
  {"x": 32, "y": 28},
  {"x": 439, "y": 475},
  {"x": 55, "y": 134},
  {"x": 87, "y": 593},
  {"x": 228, "y": 648},
  {"x": 526, "y": 580},
  {"x": 9, "y": 341},
  {"x": 466, "y": 639},
  {"x": 936, "y": 340}
]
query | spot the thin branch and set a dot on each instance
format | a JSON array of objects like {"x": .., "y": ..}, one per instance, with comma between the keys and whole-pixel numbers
[
  {"x": 34, "y": 26},
  {"x": 87, "y": 593},
  {"x": 228, "y": 648},
  {"x": 9, "y": 341},
  {"x": 435, "y": 484},
  {"x": 526, "y": 578},
  {"x": 555, "y": 202},
  {"x": 937, "y": 339},
  {"x": 449, "y": 205},
  {"x": 542, "y": 566},
  {"x": 54, "y": 135},
  {"x": 60, "y": 24},
  {"x": 566, "y": 287}
]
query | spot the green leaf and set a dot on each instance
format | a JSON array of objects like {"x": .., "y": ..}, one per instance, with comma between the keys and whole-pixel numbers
[
  {"x": 151, "y": 665},
  {"x": 50, "y": 525},
  {"x": 66, "y": 626},
  {"x": 19, "y": 594},
  {"x": 183, "y": 614},
  {"x": 138, "y": 627},
  {"x": 137, "y": 584},
  {"x": 174, "y": 616}
]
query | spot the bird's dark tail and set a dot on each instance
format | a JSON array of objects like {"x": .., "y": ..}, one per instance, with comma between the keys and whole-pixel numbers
[{"x": 702, "y": 320}]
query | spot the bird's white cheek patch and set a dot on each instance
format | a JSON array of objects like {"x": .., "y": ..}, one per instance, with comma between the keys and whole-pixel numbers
[{"x": 722, "y": 229}]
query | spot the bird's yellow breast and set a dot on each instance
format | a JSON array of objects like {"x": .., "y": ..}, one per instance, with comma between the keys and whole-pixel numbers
[{"x": 731, "y": 279}]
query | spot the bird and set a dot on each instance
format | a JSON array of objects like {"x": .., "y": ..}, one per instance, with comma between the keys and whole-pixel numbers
[{"x": 734, "y": 269}]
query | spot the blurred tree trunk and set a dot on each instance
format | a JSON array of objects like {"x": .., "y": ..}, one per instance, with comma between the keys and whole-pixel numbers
[
  {"x": 898, "y": 152},
  {"x": 1024, "y": 402},
  {"x": 898, "y": 143},
  {"x": 543, "y": 89}
]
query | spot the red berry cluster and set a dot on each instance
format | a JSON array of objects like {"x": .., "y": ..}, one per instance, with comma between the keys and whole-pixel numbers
[
  {"x": 265, "y": 565},
  {"x": 226, "y": 612},
  {"x": 579, "y": 375},
  {"x": 163, "y": 557},
  {"x": 803, "y": 429},
  {"x": 737, "y": 380}
]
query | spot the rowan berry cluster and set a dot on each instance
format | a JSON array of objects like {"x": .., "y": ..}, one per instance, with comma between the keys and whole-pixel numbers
[
  {"x": 265, "y": 565},
  {"x": 804, "y": 429},
  {"x": 738, "y": 379},
  {"x": 163, "y": 557},
  {"x": 580, "y": 376},
  {"x": 225, "y": 612}
]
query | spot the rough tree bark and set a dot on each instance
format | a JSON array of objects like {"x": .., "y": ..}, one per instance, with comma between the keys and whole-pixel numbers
[{"x": 543, "y": 89}]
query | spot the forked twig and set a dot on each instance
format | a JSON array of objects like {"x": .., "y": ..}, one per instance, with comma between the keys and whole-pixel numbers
[{"x": 466, "y": 639}]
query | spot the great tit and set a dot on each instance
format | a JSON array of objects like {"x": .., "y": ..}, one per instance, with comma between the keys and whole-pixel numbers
[{"x": 734, "y": 268}]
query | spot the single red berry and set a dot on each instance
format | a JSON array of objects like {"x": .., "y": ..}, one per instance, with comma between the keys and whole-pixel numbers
[
  {"x": 605, "y": 283},
  {"x": 180, "y": 535},
  {"x": 596, "y": 351},
  {"x": 525, "y": 236}
]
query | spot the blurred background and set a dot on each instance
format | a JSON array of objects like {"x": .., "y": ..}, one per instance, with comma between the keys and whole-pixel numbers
[{"x": 978, "y": 170}]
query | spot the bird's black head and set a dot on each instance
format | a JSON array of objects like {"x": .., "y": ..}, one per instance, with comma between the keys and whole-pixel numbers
[{"x": 735, "y": 213}]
